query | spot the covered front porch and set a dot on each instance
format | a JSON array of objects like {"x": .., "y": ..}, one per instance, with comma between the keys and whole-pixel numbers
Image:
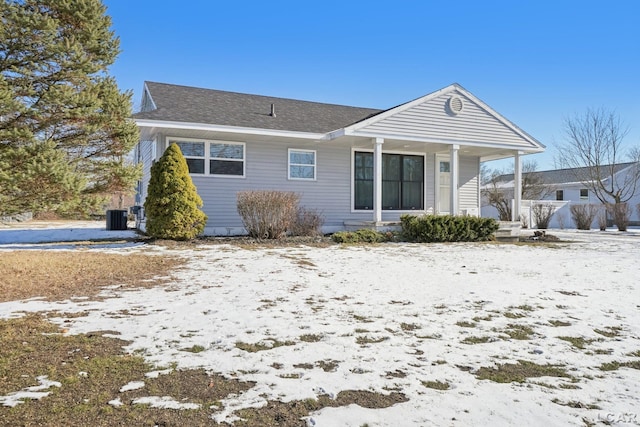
[
  {"x": 453, "y": 132},
  {"x": 392, "y": 177}
]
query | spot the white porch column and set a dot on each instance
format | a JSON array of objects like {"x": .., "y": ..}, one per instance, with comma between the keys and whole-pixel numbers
[
  {"x": 517, "y": 187},
  {"x": 377, "y": 179},
  {"x": 454, "y": 167}
]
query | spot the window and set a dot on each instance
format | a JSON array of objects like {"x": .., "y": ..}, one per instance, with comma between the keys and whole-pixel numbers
[
  {"x": 226, "y": 159},
  {"x": 213, "y": 157},
  {"x": 559, "y": 194},
  {"x": 584, "y": 193},
  {"x": 402, "y": 181},
  {"x": 363, "y": 180},
  {"x": 193, "y": 152},
  {"x": 302, "y": 164}
]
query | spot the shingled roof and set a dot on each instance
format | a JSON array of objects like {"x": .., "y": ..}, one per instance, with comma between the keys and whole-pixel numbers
[
  {"x": 207, "y": 106},
  {"x": 562, "y": 176}
]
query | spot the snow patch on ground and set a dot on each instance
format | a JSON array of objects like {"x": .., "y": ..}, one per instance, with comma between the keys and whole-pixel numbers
[
  {"x": 164, "y": 402},
  {"x": 32, "y": 235},
  {"x": 393, "y": 317},
  {"x": 133, "y": 385},
  {"x": 33, "y": 393}
]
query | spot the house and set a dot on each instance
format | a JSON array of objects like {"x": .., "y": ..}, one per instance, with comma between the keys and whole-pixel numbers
[
  {"x": 357, "y": 166},
  {"x": 566, "y": 187}
]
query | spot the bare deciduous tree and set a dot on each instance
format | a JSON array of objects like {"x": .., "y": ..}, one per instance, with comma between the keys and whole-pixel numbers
[
  {"x": 594, "y": 150},
  {"x": 499, "y": 195}
]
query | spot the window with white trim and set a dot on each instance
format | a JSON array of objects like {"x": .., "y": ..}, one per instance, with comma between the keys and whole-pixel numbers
[
  {"x": 193, "y": 152},
  {"x": 302, "y": 164},
  {"x": 584, "y": 193},
  {"x": 226, "y": 159},
  {"x": 216, "y": 158}
]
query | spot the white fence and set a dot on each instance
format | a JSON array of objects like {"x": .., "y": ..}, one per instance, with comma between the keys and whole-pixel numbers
[{"x": 526, "y": 208}]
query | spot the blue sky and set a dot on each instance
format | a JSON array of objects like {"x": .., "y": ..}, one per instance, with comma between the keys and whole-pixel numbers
[{"x": 535, "y": 62}]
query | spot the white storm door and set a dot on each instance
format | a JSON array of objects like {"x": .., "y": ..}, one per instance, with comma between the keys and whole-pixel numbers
[{"x": 443, "y": 180}]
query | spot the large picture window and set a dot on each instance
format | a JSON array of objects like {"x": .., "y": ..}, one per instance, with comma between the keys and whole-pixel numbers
[
  {"x": 402, "y": 181},
  {"x": 213, "y": 157}
]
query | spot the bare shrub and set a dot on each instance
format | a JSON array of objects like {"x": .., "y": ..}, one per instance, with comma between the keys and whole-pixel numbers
[
  {"x": 267, "y": 214},
  {"x": 583, "y": 215},
  {"x": 602, "y": 219},
  {"x": 621, "y": 213},
  {"x": 542, "y": 213},
  {"x": 308, "y": 222}
]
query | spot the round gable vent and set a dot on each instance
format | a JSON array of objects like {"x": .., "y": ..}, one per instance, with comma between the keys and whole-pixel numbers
[{"x": 455, "y": 104}]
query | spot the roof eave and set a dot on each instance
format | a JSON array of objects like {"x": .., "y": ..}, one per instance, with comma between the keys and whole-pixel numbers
[{"x": 164, "y": 124}]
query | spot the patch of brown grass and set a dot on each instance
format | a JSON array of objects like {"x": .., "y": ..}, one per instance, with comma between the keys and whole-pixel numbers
[
  {"x": 92, "y": 369},
  {"x": 519, "y": 372},
  {"x": 246, "y": 242},
  {"x": 267, "y": 344},
  {"x": 57, "y": 275}
]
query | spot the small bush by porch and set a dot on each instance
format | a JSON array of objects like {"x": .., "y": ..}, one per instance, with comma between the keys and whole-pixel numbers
[
  {"x": 447, "y": 228},
  {"x": 427, "y": 229}
]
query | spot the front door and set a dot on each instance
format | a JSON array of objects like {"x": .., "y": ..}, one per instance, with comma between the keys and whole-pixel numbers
[{"x": 443, "y": 171}]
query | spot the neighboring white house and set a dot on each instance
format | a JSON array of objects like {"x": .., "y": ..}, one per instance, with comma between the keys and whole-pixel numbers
[
  {"x": 564, "y": 186},
  {"x": 357, "y": 166}
]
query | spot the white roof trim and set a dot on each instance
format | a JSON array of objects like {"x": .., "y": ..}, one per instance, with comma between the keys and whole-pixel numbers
[
  {"x": 147, "y": 92},
  {"x": 527, "y": 148},
  {"x": 433, "y": 95},
  {"x": 146, "y": 123}
]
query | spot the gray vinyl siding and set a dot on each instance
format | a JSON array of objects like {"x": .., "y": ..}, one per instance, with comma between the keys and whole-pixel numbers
[
  {"x": 266, "y": 169},
  {"x": 432, "y": 120},
  {"x": 468, "y": 183},
  {"x": 330, "y": 194},
  {"x": 145, "y": 157}
]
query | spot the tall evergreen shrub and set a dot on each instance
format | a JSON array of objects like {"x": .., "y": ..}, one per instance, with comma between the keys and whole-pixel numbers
[{"x": 173, "y": 205}]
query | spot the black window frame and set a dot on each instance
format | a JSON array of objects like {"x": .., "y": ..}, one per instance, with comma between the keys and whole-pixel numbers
[{"x": 363, "y": 176}]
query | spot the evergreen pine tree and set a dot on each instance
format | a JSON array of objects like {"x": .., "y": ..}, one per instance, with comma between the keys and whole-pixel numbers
[
  {"x": 172, "y": 203},
  {"x": 35, "y": 177},
  {"x": 55, "y": 93}
]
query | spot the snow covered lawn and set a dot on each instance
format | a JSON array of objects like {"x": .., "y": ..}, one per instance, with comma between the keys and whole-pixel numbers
[{"x": 428, "y": 321}]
